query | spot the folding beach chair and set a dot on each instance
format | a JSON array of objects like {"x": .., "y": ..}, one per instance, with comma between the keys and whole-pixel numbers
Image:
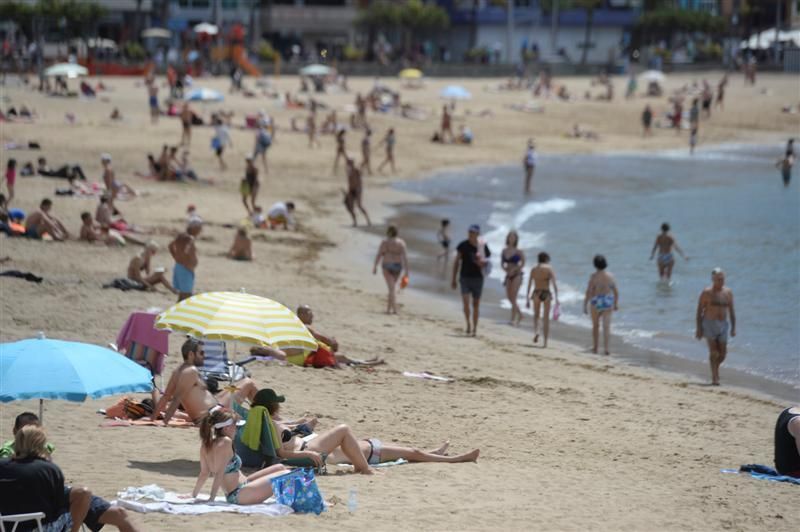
[
  {"x": 217, "y": 365},
  {"x": 20, "y": 518},
  {"x": 142, "y": 343}
]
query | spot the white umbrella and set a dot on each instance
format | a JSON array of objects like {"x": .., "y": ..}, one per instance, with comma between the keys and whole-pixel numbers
[
  {"x": 455, "y": 92},
  {"x": 156, "y": 33},
  {"x": 316, "y": 70},
  {"x": 69, "y": 70},
  {"x": 653, "y": 76},
  {"x": 205, "y": 27}
]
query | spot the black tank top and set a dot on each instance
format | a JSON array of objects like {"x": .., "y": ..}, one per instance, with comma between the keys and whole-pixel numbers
[{"x": 787, "y": 459}]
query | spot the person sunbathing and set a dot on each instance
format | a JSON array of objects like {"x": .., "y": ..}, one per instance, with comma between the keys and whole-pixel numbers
[
  {"x": 42, "y": 222},
  {"x": 341, "y": 446},
  {"x": 65, "y": 171},
  {"x": 218, "y": 459},
  {"x": 141, "y": 263},
  {"x": 306, "y": 315},
  {"x": 187, "y": 388},
  {"x": 104, "y": 215},
  {"x": 90, "y": 231},
  {"x": 242, "y": 248}
]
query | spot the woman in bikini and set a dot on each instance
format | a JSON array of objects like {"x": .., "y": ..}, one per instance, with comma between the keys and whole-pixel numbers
[
  {"x": 603, "y": 295},
  {"x": 218, "y": 459},
  {"x": 249, "y": 185},
  {"x": 541, "y": 276},
  {"x": 392, "y": 253},
  {"x": 339, "y": 445},
  {"x": 512, "y": 260}
]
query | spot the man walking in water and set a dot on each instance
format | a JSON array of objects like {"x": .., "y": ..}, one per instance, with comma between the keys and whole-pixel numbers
[
  {"x": 713, "y": 308},
  {"x": 184, "y": 252},
  {"x": 666, "y": 260},
  {"x": 472, "y": 256}
]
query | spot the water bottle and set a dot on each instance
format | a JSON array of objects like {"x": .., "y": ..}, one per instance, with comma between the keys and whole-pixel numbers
[{"x": 352, "y": 501}]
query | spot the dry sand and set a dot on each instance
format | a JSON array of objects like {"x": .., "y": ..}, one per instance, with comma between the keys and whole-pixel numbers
[{"x": 568, "y": 440}]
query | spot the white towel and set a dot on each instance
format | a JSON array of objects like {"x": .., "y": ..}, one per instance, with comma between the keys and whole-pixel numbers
[{"x": 172, "y": 503}]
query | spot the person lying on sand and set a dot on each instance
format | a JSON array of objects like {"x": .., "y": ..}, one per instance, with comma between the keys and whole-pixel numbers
[
  {"x": 66, "y": 171},
  {"x": 581, "y": 132},
  {"x": 141, "y": 263},
  {"x": 188, "y": 389},
  {"x": 341, "y": 446},
  {"x": 42, "y": 222},
  {"x": 242, "y": 248}
]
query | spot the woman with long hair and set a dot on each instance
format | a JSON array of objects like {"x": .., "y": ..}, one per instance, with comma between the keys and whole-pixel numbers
[{"x": 512, "y": 260}]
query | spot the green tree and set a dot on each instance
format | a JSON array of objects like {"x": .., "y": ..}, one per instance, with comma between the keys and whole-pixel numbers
[{"x": 412, "y": 18}]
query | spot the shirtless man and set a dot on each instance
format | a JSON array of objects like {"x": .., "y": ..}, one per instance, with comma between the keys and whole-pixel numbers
[
  {"x": 365, "y": 152},
  {"x": 713, "y": 308},
  {"x": 361, "y": 109},
  {"x": 352, "y": 197},
  {"x": 186, "y": 387},
  {"x": 141, "y": 263},
  {"x": 186, "y": 123},
  {"x": 113, "y": 187},
  {"x": 394, "y": 263},
  {"x": 540, "y": 278},
  {"x": 90, "y": 231},
  {"x": 603, "y": 295},
  {"x": 341, "y": 150},
  {"x": 666, "y": 260},
  {"x": 184, "y": 252},
  {"x": 41, "y": 222},
  {"x": 306, "y": 315},
  {"x": 242, "y": 248},
  {"x": 447, "y": 125}
]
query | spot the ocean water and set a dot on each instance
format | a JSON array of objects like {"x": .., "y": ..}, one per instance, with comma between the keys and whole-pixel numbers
[{"x": 727, "y": 207}]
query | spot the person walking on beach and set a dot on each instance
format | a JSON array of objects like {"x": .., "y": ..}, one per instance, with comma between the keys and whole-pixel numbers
[
  {"x": 542, "y": 275},
  {"x": 220, "y": 140},
  {"x": 713, "y": 309},
  {"x": 603, "y": 296},
  {"x": 365, "y": 152},
  {"x": 447, "y": 124},
  {"x": 11, "y": 178},
  {"x": 394, "y": 262},
  {"x": 355, "y": 190},
  {"x": 664, "y": 243},
  {"x": 249, "y": 185},
  {"x": 693, "y": 137},
  {"x": 186, "y": 124},
  {"x": 341, "y": 149},
  {"x": 786, "y": 163},
  {"x": 471, "y": 261},
  {"x": 389, "y": 140},
  {"x": 512, "y": 260},
  {"x": 443, "y": 236},
  {"x": 113, "y": 187},
  {"x": 529, "y": 162},
  {"x": 263, "y": 142},
  {"x": 647, "y": 121},
  {"x": 311, "y": 129},
  {"x": 184, "y": 251},
  {"x": 152, "y": 100}
]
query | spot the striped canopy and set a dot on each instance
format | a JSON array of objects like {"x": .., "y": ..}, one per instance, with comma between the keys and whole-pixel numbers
[{"x": 238, "y": 316}]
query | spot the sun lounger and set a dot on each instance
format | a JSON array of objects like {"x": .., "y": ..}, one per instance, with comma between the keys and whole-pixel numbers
[{"x": 218, "y": 365}]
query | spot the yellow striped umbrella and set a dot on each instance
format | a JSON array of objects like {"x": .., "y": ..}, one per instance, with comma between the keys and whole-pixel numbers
[
  {"x": 238, "y": 317},
  {"x": 410, "y": 73}
]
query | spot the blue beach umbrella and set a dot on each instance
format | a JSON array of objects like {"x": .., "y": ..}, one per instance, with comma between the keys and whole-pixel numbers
[
  {"x": 72, "y": 371},
  {"x": 455, "y": 92},
  {"x": 204, "y": 95}
]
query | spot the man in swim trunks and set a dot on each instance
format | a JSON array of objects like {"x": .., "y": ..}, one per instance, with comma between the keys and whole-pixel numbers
[
  {"x": 713, "y": 308},
  {"x": 787, "y": 163},
  {"x": 471, "y": 261},
  {"x": 184, "y": 252},
  {"x": 186, "y": 123},
  {"x": 41, "y": 222},
  {"x": 187, "y": 388},
  {"x": 666, "y": 260},
  {"x": 355, "y": 187}
]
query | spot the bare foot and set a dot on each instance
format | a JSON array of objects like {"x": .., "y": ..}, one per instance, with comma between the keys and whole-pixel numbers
[
  {"x": 594, "y": 350},
  {"x": 442, "y": 449},
  {"x": 472, "y": 456},
  {"x": 535, "y": 338},
  {"x": 475, "y": 333},
  {"x": 469, "y": 330}
]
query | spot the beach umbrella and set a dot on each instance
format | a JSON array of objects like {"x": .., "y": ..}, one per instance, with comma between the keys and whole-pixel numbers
[
  {"x": 41, "y": 369},
  {"x": 156, "y": 33},
  {"x": 205, "y": 27},
  {"x": 455, "y": 92},
  {"x": 410, "y": 73},
  {"x": 68, "y": 70},
  {"x": 203, "y": 95},
  {"x": 238, "y": 316},
  {"x": 316, "y": 70},
  {"x": 653, "y": 76}
]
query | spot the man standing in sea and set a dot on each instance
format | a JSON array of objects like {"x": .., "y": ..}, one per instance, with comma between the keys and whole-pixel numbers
[{"x": 713, "y": 309}]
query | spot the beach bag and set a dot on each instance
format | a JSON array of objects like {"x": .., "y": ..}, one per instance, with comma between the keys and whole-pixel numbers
[
  {"x": 321, "y": 358},
  {"x": 299, "y": 490}
]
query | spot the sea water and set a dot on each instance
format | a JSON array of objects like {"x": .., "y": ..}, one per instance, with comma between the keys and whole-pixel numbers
[{"x": 727, "y": 207}]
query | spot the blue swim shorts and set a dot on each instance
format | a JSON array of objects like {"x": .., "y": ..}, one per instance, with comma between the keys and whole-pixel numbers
[{"x": 183, "y": 279}]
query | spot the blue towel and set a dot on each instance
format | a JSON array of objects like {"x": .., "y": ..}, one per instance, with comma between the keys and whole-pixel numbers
[{"x": 764, "y": 473}]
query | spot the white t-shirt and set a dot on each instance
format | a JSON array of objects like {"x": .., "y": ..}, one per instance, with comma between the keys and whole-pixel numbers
[
  {"x": 530, "y": 157},
  {"x": 279, "y": 210}
]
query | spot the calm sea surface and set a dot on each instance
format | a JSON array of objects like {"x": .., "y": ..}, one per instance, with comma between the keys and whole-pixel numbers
[{"x": 727, "y": 207}]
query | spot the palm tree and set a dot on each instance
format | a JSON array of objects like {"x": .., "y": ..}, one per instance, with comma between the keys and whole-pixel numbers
[{"x": 589, "y": 6}]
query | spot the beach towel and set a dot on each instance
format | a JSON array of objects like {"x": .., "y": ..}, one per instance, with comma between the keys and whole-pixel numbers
[
  {"x": 146, "y": 422},
  {"x": 151, "y": 498},
  {"x": 763, "y": 472},
  {"x": 251, "y": 435},
  {"x": 139, "y": 328}
]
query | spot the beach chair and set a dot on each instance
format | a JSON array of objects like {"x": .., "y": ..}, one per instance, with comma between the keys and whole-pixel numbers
[
  {"x": 218, "y": 366},
  {"x": 16, "y": 519}
]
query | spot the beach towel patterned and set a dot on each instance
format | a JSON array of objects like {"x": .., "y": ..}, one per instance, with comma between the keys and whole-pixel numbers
[{"x": 299, "y": 490}]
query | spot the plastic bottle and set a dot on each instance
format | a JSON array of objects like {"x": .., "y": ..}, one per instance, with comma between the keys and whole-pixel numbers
[{"x": 352, "y": 501}]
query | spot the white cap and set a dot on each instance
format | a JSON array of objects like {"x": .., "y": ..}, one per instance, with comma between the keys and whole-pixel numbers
[{"x": 105, "y": 157}]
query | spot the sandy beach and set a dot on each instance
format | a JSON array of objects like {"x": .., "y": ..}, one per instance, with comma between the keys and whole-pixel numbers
[{"x": 568, "y": 440}]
